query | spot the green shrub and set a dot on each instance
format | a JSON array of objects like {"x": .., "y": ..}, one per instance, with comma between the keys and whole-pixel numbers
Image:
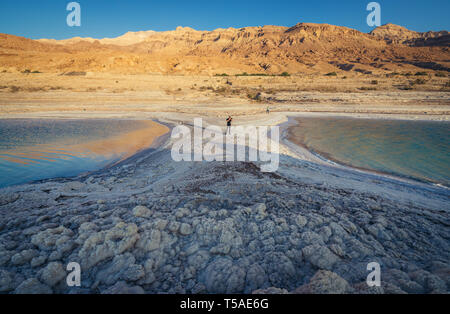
[
  {"x": 331, "y": 74},
  {"x": 223, "y": 74},
  {"x": 285, "y": 74}
]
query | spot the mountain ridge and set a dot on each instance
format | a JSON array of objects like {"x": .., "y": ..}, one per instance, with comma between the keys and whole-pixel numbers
[{"x": 302, "y": 48}]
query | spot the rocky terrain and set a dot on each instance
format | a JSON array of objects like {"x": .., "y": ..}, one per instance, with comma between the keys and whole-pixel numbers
[
  {"x": 155, "y": 226},
  {"x": 305, "y": 48},
  {"x": 400, "y": 35}
]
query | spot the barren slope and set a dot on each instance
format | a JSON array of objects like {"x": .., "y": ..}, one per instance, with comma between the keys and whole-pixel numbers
[{"x": 303, "y": 48}]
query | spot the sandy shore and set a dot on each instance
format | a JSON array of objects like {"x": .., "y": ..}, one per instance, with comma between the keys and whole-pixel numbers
[{"x": 152, "y": 225}]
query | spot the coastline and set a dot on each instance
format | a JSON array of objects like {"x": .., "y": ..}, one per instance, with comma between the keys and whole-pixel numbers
[
  {"x": 157, "y": 226},
  {"x": 114, "y": 148},
  {"x": 321, "y": 157},
  {"x": 283, "y": 119}
]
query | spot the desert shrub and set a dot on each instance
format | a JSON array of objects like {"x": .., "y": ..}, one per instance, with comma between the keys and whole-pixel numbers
[
  {"x": 393, "y": 74},
  {"x": 418, "y": 82},
  {"x": 421, "y": 74},
  {"x": 36, "y": 72},
  {"x": 14, "y": 89},
  {"x": 221, "y": 90},
  {"x": 75, "y": 73},
  {"x": 374, "y": 82},
  {"x": 252, "y": 74},
  {"x": 27, "y": 71},
  {"x": 285, "y": 74},
  {"x": 447, "y": 84},
  {"x": 344, "y": 77},
  {"x": 35, "y": 89},
  {"x": 204, "y": 88},
  {"x": 254, "y": 96},
  {"x": 440, "y": 74},
  {"x": 367, "y": 88},
  {"x": 223, "y": 74},
  {"x": 331, "y": 74}
]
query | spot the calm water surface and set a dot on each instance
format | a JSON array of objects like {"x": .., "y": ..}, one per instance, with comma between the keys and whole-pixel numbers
[
  {"x": 40, "y": 149},
  {"x": 413, "y": 149}
]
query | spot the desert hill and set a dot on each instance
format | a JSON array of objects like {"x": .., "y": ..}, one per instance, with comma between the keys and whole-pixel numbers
[
  {"x": 400, "y": 35},
  {"x": 129, "y": 38},
  {"x": 303, "y": 48}
]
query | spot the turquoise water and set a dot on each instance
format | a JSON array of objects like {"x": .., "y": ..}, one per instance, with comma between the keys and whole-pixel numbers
[
  {"x": 40, "y": 149},
  {"x": 412, "y": 149}
]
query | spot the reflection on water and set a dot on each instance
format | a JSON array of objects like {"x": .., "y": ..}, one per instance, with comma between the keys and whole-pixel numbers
[
  {"x": 40, "y": 149},
  {"x": 415, "y": 149}
]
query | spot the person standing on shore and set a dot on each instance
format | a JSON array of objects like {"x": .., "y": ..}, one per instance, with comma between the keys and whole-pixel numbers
[{"x": 229, "y": 119}]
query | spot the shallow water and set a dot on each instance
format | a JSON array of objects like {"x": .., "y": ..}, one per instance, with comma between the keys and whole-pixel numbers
[
  {"x": 413, "y": 149},
  {"x": 41, "y": 149}
]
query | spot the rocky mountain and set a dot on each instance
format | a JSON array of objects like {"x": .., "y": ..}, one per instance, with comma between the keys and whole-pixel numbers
[
  {"x": 129, "y": 38},
  {"x": 303, "y": 48},
  {"x": 399, "y": 35}
]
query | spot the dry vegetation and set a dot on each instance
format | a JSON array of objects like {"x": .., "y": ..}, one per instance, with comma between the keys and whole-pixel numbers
[
  {"x": 228, "y": 86},
  {"x": 22, "y": 93}
]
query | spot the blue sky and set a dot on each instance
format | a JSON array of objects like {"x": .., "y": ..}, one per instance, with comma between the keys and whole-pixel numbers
[{"x": 110, "y": 18}]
